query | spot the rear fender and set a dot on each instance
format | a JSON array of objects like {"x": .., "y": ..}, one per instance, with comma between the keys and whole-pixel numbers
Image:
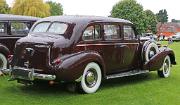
[
  {"x": 156, "y": 62},
  {"x": 73, "y": 67}
]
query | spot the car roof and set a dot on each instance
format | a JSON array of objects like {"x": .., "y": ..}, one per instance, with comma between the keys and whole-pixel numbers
[
  {"x": 83, "y": 19},
  {"x": 7, "y": 17}
]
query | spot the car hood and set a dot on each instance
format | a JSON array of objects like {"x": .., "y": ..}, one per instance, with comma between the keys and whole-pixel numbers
[{"x": 44, "y": 39}]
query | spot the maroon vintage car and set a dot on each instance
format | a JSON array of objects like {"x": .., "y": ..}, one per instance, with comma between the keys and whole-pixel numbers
[
  {"x": 85, "y": 50},
  {"x": 12, "y": 28}
]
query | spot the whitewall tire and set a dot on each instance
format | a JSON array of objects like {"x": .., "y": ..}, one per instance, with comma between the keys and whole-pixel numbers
[
  {"x": 3, "y": 62},
  {"x": 150, "y": 51},
  {"x": 91, "y": 78},
  {"x": 166, "y": 68}
]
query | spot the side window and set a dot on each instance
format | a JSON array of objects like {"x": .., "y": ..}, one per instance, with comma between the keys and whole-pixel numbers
[
  {"x": 92, "y": 33},
  {"x": 2, "y": 28},
  {"x": 19, "y": 28},
  {"x": 111, "y": 32},
  {"x": 128, "y": 32}
]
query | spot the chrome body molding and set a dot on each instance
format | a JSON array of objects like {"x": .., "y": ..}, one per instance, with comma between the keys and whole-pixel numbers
[
  {"x": 125, "y": 74},
  {"x": 102, "y": 44}
]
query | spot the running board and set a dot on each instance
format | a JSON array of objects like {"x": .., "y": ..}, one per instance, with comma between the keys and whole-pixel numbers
[{"x": 125, "y": 74}]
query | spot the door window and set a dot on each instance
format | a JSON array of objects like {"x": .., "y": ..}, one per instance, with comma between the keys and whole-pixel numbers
[
  {"x": 111, "y": 32},
  {"x": 2, "y": 28},
  {"x": 128, "y": 32},
  {"x": 19, "y": 28},
  {"x": 92, "y": 33}
]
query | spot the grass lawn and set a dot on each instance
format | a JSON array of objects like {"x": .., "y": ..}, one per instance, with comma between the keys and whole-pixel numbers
[{"x": 146, "y": 89}]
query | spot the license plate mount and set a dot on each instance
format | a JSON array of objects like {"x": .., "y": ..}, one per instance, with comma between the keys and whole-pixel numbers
[{"x": 22, "y": 73}]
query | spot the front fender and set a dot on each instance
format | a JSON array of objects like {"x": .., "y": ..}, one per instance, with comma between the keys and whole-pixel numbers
[
  {"x": 73, "y": 67},
  {"x": 156, "y": 62}
]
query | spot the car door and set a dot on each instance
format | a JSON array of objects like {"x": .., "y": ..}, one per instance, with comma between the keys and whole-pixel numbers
[
  {"x": 130, "y": 55},
  {"x": 91, "y": 38},
  {"x": 112, "y": 48}
]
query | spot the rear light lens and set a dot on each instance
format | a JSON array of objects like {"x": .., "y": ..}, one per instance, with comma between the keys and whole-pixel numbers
[
  {"x": 10, "y": 57},
  {"x": 57, "y": 61}
]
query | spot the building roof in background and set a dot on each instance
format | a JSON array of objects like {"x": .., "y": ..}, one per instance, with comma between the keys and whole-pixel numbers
[{"x": 168, "y": 27}]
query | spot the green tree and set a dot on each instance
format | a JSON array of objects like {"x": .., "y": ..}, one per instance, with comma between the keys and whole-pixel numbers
[
  {"x": 162, "y": 16},
  {"x": 55, "y": 8},
  {"x": 31, "y": 8},
  {"x": 151, "y": 21},
  {"x": 4, "y": 8},
  {"x": 130, "y": 10}
]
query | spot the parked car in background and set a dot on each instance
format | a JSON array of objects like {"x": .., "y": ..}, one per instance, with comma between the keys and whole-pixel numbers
[
  {"x": 176, "y": 37},
  {"x": 84, "y": 50},
  {"x": 12, "y": 27},
  {"x": 148, "y": 36}
]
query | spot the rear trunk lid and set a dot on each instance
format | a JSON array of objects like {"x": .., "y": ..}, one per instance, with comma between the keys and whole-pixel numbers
[{"x": 34, "y": 51}]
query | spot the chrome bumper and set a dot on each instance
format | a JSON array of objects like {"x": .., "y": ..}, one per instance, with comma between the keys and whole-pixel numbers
[{"x": 27, "y": 74}]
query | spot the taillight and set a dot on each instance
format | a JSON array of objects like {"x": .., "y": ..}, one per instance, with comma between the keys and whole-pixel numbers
[
  {"x": 10, "y": 57},
  {"x": 57, "y": 61}
]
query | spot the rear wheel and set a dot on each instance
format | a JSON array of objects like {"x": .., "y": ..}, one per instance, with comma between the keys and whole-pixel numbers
[
  {"x": 91, "y": 78},
  {"x": 3, "y": 62},
  {"x": 166, "y": 68}
]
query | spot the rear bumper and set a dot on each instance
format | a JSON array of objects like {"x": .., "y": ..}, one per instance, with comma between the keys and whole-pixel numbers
[{"x": 27, "y": 74}]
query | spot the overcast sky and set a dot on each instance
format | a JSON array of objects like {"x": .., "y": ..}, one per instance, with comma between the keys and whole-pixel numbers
[{"x": 103, "y": 7}]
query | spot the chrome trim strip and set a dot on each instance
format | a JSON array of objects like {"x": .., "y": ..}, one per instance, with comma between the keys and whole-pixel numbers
[
  {"x": 44, "y": 76},
  {"x": 125, "y": 74},
  {"x": 80, "y": 45}
]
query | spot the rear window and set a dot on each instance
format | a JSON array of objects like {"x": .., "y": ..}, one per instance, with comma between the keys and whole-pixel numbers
[{"x": 56, "y": 27}]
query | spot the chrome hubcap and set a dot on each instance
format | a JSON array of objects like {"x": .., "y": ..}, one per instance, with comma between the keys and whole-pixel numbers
[
  {"x": 91, "y": 78},
  {"x": 152, "y": 52}
]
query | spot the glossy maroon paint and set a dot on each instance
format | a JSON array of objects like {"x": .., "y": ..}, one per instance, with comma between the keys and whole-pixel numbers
[
  {"x": 156, "y": 62},
  {"x": 113, "y": 56}
]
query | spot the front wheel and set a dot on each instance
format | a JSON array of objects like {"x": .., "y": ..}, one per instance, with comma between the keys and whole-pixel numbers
[
  {"x": 166, "y": 68},
  {"x": 91, "y": 78}
]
